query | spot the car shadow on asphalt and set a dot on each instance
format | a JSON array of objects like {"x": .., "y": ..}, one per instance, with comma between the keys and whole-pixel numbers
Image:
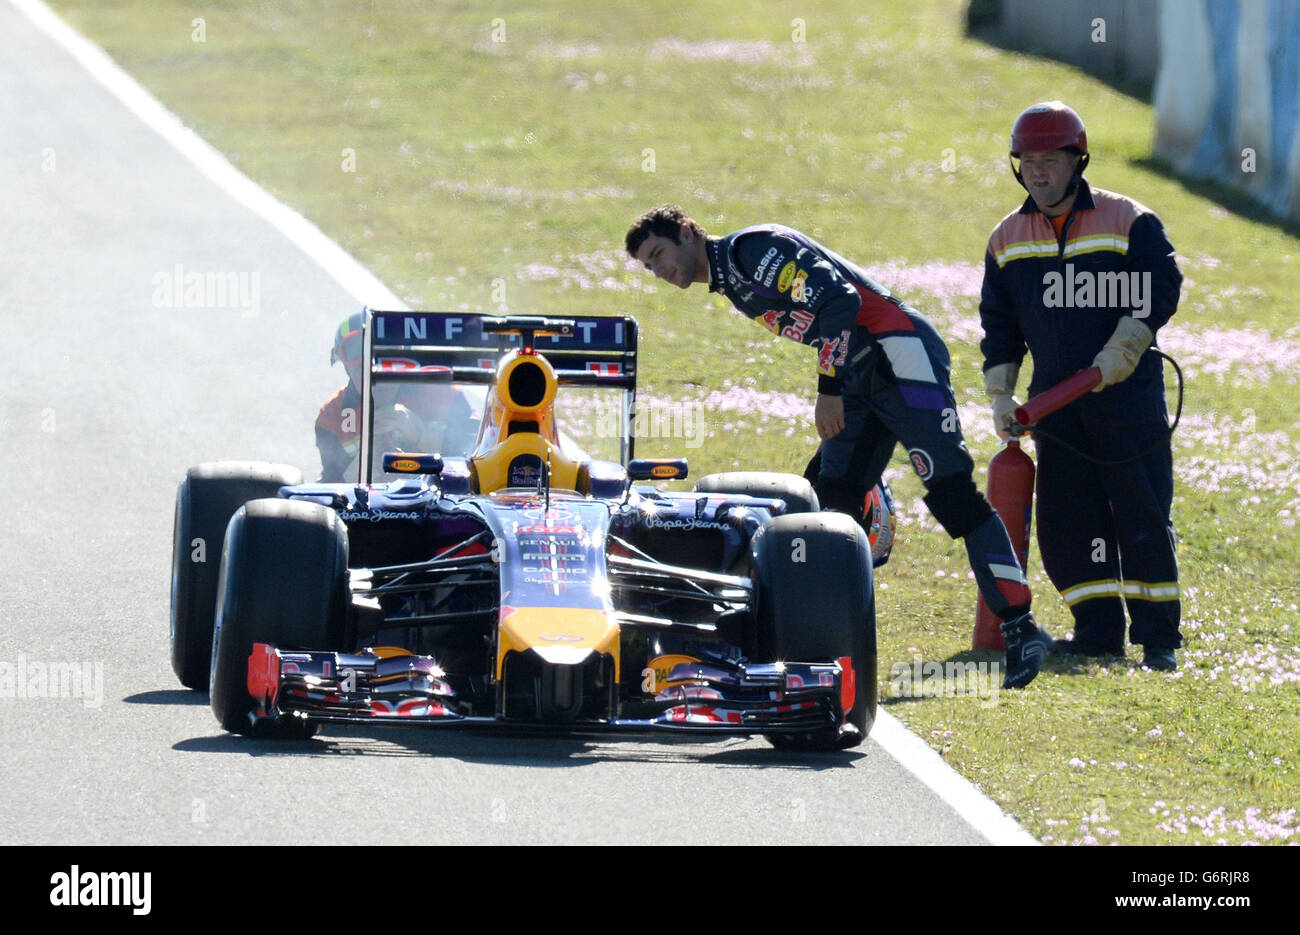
[
  {"x": 168, "y": 696},
  {"x": 515, "y": 748}
]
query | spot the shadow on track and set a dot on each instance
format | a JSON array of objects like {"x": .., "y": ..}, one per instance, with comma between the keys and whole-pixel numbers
[{"x": 513, "y": 748}]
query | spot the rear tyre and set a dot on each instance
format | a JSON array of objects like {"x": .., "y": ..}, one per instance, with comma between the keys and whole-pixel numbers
[
  {"x": 205, "y": 500},
  {"x": 796, "y": 491},
  {"x": 815, "y": 602},
  {"x": 284, "y": 581}
]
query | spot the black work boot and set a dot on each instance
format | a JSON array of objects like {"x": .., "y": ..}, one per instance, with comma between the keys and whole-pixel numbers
[
  {"x": 1159, "y": 659},
  {"x": 1078, "y": 647},
  {"x": 1098, "y": 629},
  {"x": 1026, "y": 643}
]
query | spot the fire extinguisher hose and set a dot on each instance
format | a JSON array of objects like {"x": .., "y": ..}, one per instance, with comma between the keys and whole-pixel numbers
[{"x": 1067, "y": 391}]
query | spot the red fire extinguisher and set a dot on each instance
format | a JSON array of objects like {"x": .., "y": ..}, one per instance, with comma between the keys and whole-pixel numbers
[{"x": 1011, "y": 487}]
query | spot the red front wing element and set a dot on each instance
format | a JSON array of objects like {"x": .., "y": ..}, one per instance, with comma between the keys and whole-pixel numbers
[
  {"x": 264, "y": 674},
  {"x": 848, "y": 683}
]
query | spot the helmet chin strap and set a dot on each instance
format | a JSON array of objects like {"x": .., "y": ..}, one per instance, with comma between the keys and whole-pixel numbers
[
  {"x": 1075, "y": 179},
  {"x": 1011, "y": 159},
  {"x": 1069, "y": 192}
]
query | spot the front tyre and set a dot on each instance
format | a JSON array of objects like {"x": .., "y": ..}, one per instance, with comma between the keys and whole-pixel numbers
[
  {"x": 815, "y": 603},
  {"x": 205, "y": 500},
  {"x": 283, "y": 581}
]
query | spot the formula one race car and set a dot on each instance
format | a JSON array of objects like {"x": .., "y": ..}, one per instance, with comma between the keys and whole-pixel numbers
[{"x": 529, "y": 584}]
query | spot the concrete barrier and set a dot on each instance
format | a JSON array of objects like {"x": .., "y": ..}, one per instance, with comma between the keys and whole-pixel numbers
[
  {"x": 1226, "y": 95},
  {"x": 1225, "y": 76},
  {"x": 1112, "y": 39}
]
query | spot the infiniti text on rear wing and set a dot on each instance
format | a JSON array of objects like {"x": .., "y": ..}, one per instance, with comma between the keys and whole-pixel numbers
[
  {"x": 599, "y": 350},
  {"x": 457, "y": 347}
]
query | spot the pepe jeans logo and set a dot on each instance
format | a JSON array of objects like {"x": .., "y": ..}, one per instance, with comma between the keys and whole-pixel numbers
[
  {"x": 375, "y": 516},
  {"x": 654, "y": 522}
]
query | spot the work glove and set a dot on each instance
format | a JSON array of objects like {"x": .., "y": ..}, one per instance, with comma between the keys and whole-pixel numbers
[
  {"x": 1000, "y": 384},
  {"x": 1118, "y": 359}
]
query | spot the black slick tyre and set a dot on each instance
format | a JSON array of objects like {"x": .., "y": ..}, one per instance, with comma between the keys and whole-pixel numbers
[
  {"x": 796, "y": 491},
  {"x": 283, "y": 581},
  {"x": 205, "y": 500},
  {"x": 815, "y": 603}
]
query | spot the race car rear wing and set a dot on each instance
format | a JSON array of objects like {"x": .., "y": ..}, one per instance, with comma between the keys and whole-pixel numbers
[
  {"x": 597, "y": 351},
  {"x": 464, "y": 347}
]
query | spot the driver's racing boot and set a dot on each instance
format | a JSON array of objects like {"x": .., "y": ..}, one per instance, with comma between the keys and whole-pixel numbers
[{"x": 1027, "y": 643}]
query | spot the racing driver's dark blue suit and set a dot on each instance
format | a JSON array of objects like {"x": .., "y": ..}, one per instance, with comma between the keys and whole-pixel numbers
[{"x": 891, "y": 368}]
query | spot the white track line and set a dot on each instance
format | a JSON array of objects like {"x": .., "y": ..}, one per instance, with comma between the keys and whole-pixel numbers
[
  {"x": 974, "y": 807},
  {"x": 919, "y": 759}
]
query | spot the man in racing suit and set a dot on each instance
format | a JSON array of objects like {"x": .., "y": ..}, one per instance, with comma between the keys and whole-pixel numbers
[
  {"x": 1083, "y": 277},
  {"x": 414, "y": 417},
  {"x": 883, "y": 378}
]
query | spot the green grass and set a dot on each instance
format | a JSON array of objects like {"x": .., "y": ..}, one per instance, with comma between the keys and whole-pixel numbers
[{"x": 479, "y": 163}]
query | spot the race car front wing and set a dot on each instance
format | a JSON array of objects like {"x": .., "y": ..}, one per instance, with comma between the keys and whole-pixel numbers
[{"x": 390, "y": 686}]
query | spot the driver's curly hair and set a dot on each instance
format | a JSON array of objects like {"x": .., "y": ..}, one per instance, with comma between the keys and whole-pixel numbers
[{"x": 663, "y": 221}]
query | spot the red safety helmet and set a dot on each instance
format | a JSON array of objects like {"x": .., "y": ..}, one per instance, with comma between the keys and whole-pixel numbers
[{"x": 1045, "y": 127}]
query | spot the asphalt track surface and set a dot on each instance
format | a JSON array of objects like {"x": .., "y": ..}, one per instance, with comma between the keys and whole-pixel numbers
[{"x": 109, "y": 390}]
